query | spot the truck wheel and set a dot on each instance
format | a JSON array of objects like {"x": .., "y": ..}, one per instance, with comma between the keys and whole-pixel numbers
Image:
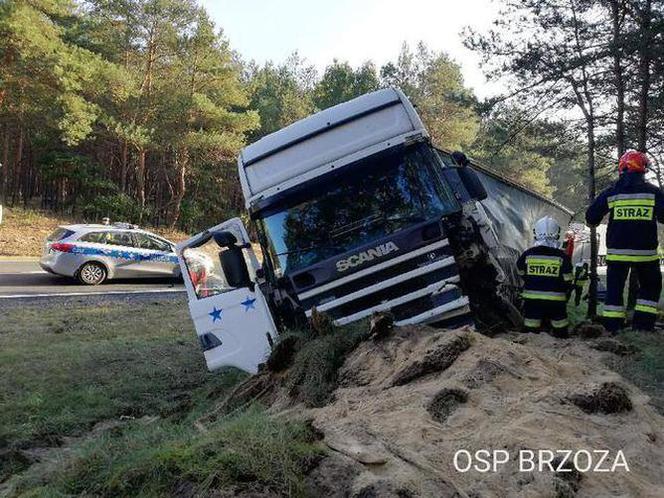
[
  {"x": 91, "y": 274},
  {"x": 496, "y": 314},
  {"x": 511, "y": 315}
]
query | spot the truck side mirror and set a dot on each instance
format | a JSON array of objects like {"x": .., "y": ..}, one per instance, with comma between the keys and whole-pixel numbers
[
  {"x": 472, "y": 183},
  {"x": 235, "y": 267},
  {"x": 224, "y": 239}
]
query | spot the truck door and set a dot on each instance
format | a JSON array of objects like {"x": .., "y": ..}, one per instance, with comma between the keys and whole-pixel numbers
[{"x": 230, "y": 313}]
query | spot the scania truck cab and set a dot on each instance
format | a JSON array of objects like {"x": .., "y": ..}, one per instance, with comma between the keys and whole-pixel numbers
[{"x": 355, "y": 213}]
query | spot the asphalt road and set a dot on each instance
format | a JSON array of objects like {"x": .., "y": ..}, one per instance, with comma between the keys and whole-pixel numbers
[{"x": 25, "y": 280}]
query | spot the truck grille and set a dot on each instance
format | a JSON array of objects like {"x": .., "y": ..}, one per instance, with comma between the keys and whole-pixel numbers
[
  {"x": 336, "y": 290},
  {"x": 408, "y": 288}
]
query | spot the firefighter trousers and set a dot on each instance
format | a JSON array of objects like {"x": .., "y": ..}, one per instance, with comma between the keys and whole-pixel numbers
[
  {"x": 536, "y": 312},
  {"x": 650, "y": 287}
]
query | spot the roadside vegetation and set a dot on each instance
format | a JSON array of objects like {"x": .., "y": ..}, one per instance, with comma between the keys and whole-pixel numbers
[
  {"x": 646, "y": 367},
  {"x": 106, "y": 136},
  {"x": 102, "y": 400},
  {"x": 316, "y": 355},
  {"x": 248, "y": 452},
  {"x": 643, "y": 361},
  {"x": 114, "y": 400},
  {"x": 23, "y": 231}
]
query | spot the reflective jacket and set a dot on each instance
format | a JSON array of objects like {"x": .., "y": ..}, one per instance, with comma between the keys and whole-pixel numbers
[
  {"x": 546, "y": 272},
  {"x": 634, "y": 207}
]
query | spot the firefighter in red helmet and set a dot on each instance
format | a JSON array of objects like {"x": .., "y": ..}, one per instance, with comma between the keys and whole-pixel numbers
[{"x": 634, "y": 207}]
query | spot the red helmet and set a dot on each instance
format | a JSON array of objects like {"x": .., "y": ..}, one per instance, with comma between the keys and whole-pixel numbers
[{"x": 633, "y": 161}]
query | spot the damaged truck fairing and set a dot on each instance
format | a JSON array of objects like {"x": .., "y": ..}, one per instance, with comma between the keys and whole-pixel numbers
[
  {"x": 356, "y": 213},
  {"x": 488, "y": 240}
]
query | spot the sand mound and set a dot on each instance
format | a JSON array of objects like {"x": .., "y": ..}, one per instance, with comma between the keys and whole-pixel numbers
[{"x": 407, "y": 404}]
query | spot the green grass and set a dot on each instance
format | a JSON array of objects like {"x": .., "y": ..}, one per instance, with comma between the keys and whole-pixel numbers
[
  {"x": 62, "y": 370},
  {"x": 576, "y": 314},
  {"x": 313, "y": 375},
  {"x": 138, "y": 366},
  {"x": 645, "y": 369},
  {"x": 252, "y": 451}
]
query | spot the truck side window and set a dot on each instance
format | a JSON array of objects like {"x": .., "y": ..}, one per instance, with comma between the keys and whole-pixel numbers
[
  {"x": 446, "y": 158},
  {"x": 445, "y": 192},
  {"x": 205, "y": 272}
]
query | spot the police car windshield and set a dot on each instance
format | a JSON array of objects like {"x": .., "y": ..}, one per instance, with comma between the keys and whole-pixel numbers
[{"x": 369, "y": 202}]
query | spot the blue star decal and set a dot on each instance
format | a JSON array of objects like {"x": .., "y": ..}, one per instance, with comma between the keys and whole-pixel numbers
[
  {"x": 215, "y": 314},
  {"x": 249, "y": 304}
]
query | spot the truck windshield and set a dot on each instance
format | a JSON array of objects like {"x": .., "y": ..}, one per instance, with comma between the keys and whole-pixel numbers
[{"x": 382, "y": 196}]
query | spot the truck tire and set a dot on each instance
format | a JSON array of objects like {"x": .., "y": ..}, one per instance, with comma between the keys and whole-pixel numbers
[
  {"x": 495, "y": 315},
  {"x": 92, "y": 274}
]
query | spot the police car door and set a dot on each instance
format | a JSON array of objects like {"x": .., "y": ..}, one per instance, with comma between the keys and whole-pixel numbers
[
  {"x": 155, "y": 256},
  {"x": 231, "y": 316},
  {"x": 120, "y": 248}
]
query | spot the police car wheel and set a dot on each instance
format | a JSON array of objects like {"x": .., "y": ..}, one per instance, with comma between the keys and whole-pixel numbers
[{"x": 91, "y": 274}]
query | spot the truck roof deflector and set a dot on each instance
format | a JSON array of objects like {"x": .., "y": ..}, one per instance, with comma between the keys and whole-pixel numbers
[{"x": 324, "y": 129}]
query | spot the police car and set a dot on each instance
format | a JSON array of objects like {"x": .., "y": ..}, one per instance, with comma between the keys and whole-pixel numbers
[{"x": 95, "y": 253}]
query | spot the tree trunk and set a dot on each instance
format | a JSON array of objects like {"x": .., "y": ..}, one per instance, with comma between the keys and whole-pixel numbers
[
  {"x": 642, "y": 120},
  {"x": 619, "y": 81},
  {"x": 585, "y": 102},
  {"x": 146, "y": 86},
  {"x": 18, "y": 159},
  {"x": 657, "y": 168},
  {"x": 124, "y": 166},
  {"x": 644, "y": 75},
  {"x": 4, "y": 173},
  {"x": 182, "y": 159},
  {"x": 592, "y": 291},
  {"x": 140, "y": 182}
]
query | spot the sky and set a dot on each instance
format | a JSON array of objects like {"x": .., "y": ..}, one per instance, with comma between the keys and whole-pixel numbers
[{"x": 354, "y": 31}]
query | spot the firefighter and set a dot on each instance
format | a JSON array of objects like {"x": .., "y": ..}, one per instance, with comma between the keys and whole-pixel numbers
[
  {"x": 547, "y": 276},
  {"x": 580, "y": 279},
  {"x": 634, "y": 207},
  {"x": 568, "y": 244}
]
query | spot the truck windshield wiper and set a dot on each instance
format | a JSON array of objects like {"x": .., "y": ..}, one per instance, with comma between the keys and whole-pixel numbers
[
  {"x": 308, "y": 249},
  {"x": 376, "y": 219},
  {"x": 413, "y": 218},
  {"x": 355, "y": 225}
]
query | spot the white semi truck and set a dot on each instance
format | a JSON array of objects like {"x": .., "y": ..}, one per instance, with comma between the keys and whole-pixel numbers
[{"x": 356, "y": 212}]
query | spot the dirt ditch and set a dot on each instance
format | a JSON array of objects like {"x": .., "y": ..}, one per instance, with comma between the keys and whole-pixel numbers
[
  {"x": 396, "y": 434},
  {"x": 394, "y": 408}
]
